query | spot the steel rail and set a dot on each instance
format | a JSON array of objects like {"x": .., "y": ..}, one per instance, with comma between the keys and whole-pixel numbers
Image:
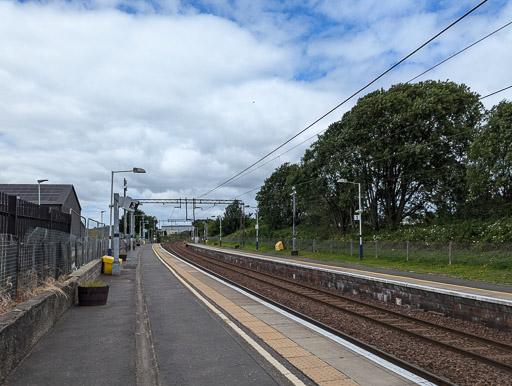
[
  {"x": 438, "y": 380},
  {"x": 479, "y": 357}
]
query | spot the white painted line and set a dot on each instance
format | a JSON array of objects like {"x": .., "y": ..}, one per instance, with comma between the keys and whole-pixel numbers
[
  {"x": 283, "y": 370},
  {"x": 374, "y": 358}
]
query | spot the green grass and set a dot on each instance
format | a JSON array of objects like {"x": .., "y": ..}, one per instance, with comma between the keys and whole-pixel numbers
[
  {"x": 93, "y": 283},
  {"x": 484, "y": 266}
]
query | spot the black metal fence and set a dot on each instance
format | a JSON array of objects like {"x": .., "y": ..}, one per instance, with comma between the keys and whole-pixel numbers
[
  {"x": 17, "y": 216},
  {"x": 42, "y": 254},
  {"x": 497, "y": 255}
]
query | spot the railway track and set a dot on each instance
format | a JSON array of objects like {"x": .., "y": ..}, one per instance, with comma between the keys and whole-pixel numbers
[{"x": 467, "y": 345}]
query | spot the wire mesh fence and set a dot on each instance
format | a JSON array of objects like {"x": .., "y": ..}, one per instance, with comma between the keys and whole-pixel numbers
[
  {"x": 42, "y": 254},
  {"x": 492, "y": 255}
]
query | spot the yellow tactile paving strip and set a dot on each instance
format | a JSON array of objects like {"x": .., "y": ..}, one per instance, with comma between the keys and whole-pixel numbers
[{"x": 313, "y": 367}]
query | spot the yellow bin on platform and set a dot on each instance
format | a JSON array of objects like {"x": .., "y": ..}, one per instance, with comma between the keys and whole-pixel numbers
[{"x": 107, "y": 264}]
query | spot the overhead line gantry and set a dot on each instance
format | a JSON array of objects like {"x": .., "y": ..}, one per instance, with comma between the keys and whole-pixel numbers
[{"x": 186, "y": 201}]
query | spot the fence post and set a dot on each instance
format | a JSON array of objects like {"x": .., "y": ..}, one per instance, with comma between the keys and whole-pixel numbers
[
  {"x": 407, "y": 250},
  {"x": 450, "y": 253},
  {"x": 314, "y": 245},
  {"x": 16, "y": 284},
  {"x": 12, "y": 215},
  {"x": 351, "y": 247},
  {"x": 376, "y": 250},
  {"x": 77, "y": 257}
]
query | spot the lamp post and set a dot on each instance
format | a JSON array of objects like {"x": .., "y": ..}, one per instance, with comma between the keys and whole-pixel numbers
[
  {"x": 134, "y": 170},
  {"x": 243, "y": 223},
  {"x": 39, "y": 182},
  {"x": 257, "y": 228},
  {"x": 257, "y": 223},
  {"x": 220, "y": 231},
  {"x": 294, "y": 193},
  {"x": 360, "y": 217},
  {"x": 97, "y": 227},
  {"x": 124, "y": 216}
]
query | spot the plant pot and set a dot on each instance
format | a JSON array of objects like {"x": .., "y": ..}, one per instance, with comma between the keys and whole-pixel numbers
[{"x": 92, "y": 296}]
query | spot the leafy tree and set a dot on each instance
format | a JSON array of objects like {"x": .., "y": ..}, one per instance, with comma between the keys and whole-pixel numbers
[
  {"x": 231, "y": 217},
  {"x": 150, "y": 220},
  {"x": 407, "y": 146},
  {"x": 490, "y": 168},
  {"x": 274, "y": 201},
  {"x": 320, "y": 196}
]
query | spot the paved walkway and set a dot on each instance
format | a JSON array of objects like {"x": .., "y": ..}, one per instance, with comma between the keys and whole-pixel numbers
[
  {"x": 88, "y": 345},
  {"x": 156, "y": 331},
  {"x": 97, "y": 345}
]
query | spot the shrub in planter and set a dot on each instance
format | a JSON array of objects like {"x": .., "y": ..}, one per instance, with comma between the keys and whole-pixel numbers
[{"x": 92, "y": 293}]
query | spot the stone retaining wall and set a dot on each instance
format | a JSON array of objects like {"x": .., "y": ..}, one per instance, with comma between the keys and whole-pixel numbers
[{"x": 497, "y": 314}]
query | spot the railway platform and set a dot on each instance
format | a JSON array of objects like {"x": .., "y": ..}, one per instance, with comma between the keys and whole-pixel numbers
[
  {"x": 487, "y": 303},
  {"x": 199, "y": 332},
  {"x": 471, "y": 287}
]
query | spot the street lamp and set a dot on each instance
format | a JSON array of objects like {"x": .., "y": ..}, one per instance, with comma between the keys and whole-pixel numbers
[
  {"x": 243, "y": 218},
  {"x": 220, "y": 231},
  {"x": 360, "y": 217},
  {"x": 257, "y": 227},
  {"x": 294, "y": 193},
  {"x": 257, "y": 223},
  {"x": 39, "y": 182},
  {"x": 134, "y": 170}
]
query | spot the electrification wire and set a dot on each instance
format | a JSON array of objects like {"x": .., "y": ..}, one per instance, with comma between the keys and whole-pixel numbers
[
  {"x": 349, "y": 98},
  {"x": 496, "y": 92},
  {"x": 459, "y": 52},
  {"x": 280, "y": 155},
  {"x": 382, "y": 137},
  {"x": 375, "y": 141}
]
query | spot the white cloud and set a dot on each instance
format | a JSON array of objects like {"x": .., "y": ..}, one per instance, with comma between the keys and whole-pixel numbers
[{"x": 193, "y": 97}]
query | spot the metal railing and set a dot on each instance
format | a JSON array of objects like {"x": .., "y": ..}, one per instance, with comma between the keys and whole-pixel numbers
[
  {"x": 497, "y": 255},
  {"x": 17, "y": 216},
  {"x": 43, "y": 254}
]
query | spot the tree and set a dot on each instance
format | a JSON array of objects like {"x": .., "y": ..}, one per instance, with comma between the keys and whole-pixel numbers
[
  {"x": 407, "y": 146},
  {"x": 231, "y": 218},
  {"x": 274, "y": 201},
  {"x": 150, "y": 220},
  {"x": 319, "y": 195},
  {"x": 490, "y": 163}
]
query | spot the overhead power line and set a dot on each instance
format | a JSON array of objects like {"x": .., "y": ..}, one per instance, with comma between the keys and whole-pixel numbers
[
  {"x": 459, "y": 52},
  {"x": 417, "y": 76},
  {"x": 373, "y": 142},
  {"x": 496, "y": 92},
  {"x": 347, "y": 99}
]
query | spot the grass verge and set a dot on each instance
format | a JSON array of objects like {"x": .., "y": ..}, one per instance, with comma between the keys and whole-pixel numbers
[{"x": 466, "y": 270}]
